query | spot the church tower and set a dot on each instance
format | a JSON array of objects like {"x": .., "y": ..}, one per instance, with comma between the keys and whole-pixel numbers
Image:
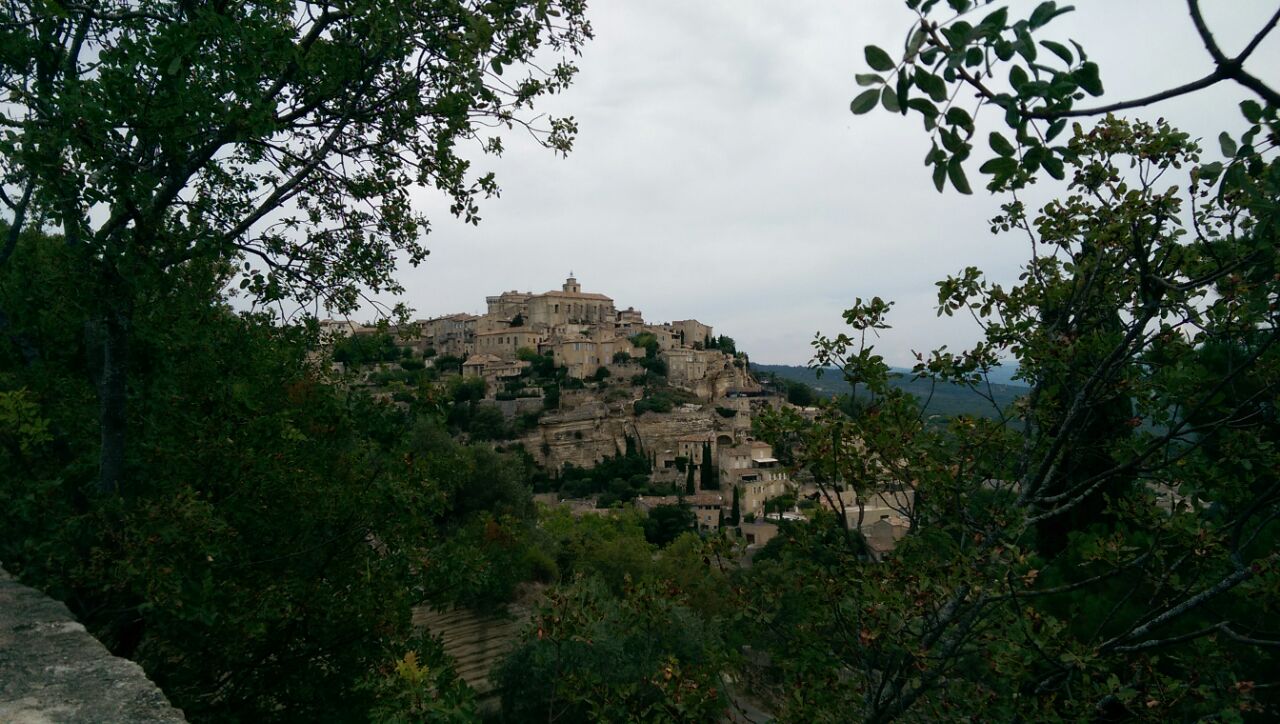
[{"x": 571, "y": 285}]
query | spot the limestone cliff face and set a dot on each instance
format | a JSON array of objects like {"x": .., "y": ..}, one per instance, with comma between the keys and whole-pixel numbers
[
  {"x": 709, "y": 374},
  {"x": 582, "y": 436},
  {"x": 589, "y": 433},
  {"x": 593, "y": 424}
]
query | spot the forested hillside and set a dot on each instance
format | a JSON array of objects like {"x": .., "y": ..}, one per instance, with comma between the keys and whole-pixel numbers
[{"x": 945, "y": 399}]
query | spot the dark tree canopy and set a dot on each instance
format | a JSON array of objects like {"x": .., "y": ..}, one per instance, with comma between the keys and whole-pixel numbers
[{"x": 278, "y": 140}]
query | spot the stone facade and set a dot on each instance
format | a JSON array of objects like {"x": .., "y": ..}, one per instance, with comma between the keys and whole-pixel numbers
[{"x": 691, "y": 332}]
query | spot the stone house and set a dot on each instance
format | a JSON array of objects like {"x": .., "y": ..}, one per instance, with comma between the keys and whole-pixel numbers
[
  {"x": 629, "y": 319},
  {"x": 508, "y": 305},
  {"x": 691, "y": 332},
  {"x": 706, "y": 507},
  {"x": 452, "y": 334},
  {"x": 493, "y": 369},
  {"x": 505, "y": 343}
]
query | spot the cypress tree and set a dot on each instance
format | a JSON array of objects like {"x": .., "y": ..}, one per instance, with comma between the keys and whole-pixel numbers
[
  {"x": 708, "y": 470},
  {"x": 688, "y": 481},
  {"x": 735, "y": 516}
]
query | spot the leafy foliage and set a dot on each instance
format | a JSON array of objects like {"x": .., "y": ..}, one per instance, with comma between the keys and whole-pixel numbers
[
  {"x": 1089, "y": 551},
  {"x": 591, "y": 656},
  {"x": 285, "y": 525}
]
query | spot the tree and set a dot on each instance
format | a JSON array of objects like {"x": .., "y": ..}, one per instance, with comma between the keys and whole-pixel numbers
[
  {"x": 707, "y": 469},
  {"x": 280, "y": 530},
  {"x": 689, "y": 486},
  {"x": 735, "y": 512},
  {"x": 590, "y": 656},
  {"x": 665, "y": 523},
  {"x": 800, "y": 394},
  {"x": 1090, "y": 553},
  {"x": 1040, "y": 95},
  {"x": 275, "y": 141}
]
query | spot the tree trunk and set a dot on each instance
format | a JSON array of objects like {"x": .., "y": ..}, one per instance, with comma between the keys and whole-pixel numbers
[{"x": 113, "y": 401}]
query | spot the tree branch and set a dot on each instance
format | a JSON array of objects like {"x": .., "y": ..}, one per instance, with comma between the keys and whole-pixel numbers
[{"x": 1210, "y": 44}]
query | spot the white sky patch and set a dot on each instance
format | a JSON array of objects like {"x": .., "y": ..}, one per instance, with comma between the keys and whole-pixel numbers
[{"x": 719, "y": 175}]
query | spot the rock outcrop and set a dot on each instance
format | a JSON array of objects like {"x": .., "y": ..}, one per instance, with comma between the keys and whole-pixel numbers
[{"x": 52, "y": 670}]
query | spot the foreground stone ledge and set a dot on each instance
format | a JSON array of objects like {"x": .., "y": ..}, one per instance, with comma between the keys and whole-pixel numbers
[{"x": 52, "y": 670}]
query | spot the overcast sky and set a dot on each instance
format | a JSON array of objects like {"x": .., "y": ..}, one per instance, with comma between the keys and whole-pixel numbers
[{"x": 719, "y": 175}]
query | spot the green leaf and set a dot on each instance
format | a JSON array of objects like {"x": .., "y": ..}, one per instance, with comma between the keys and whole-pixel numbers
[
  {"x": 951, "y": 140},
  {"x": 1228, "y": 145},
  {"x": 1026, "y": 46},
  {"x": 924, "y": 106},
  {"x": 1210, "y": 171},
  {"x": 865, "y": 101},
  {"x": 56, "y": 8},
  {"x": 1087, "y": 78},
  {"x": 995, "y": 21},
  {"x": 940, "y": 176},
  {"x": 931, "y": 84},
  {"x": 1000, "y": 166},
  {"x": 869, "y": 79},
  {"x": 903, "y": 91},
  {"x": 1053, "y": 165},
  {"x": 1018, "y": 77},
  {"x": 1055, "y": 128},
  {"x": 1059, "y": 50},
  {"x": 959, "y": 117},
  {"x": 878, "y": 59},
  {"x": 1000, "y": 144},
  {"x": 915, "y": 42},
  {"x": 1251, "y": 110},
  {"x": 955, "y": 171},
  {"x": 890, "y": 100},
  {"x": 1043, "y": 13}
]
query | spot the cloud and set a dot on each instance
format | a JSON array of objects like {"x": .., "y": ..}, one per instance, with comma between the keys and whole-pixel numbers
[{"x": 719, "y": 175}]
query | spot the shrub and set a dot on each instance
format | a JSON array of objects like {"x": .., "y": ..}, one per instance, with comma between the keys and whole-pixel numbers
[{"x": 449, "y": 363}]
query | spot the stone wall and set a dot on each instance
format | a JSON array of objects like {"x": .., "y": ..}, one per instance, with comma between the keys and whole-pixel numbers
[
  {"x": 477, "y": 643},
  {"x": 52, "y": 670}
]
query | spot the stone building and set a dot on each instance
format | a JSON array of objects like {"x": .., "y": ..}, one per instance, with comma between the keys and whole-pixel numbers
[
  {"x": 706, "y": 507},
  {"x": 333, "y": 329},
  {"x": 583, "y": 353},
  {"x": 691, "y": 332},
  {"x": 690, "y": 446},
  {"x": 630, "y": 319},
  {"x": 508, "y": 305},
  {"x": 452, "y": 334},
  {"x": 570, "y": 304},
  {"x": 505, "y": 343},
  {"x": 751, "y": 468},
  {"x": 493, "y": 369}
]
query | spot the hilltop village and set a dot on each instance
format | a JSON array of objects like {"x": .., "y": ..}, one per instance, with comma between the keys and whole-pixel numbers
[{"x": 666, "y": 408}]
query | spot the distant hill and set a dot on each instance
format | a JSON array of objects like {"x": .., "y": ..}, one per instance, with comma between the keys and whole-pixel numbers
[{"x": 947, "y": 400}]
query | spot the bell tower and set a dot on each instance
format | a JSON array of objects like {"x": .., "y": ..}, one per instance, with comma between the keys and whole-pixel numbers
[{"x": 571, "y": 285}]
